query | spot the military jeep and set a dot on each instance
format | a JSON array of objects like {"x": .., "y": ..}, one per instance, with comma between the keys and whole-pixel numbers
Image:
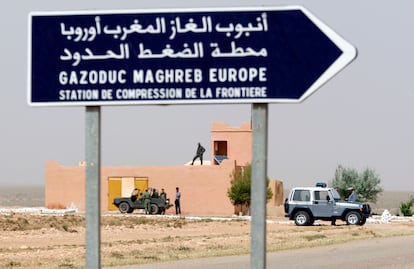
[
  {"x": 157, "y": 205},
  {"x": 305, "y": 205}
]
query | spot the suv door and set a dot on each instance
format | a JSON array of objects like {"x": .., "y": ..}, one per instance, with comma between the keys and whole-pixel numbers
[{"x": 323, "y": 204}]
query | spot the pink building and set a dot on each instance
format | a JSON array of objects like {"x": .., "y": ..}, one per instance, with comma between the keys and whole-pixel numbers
[{"x": 203, "y": 188}]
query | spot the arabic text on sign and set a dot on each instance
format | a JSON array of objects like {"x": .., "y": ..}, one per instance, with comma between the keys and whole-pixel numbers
[
  {"x": 196, "y": 50},
  {"x": 176, "y": 26}
]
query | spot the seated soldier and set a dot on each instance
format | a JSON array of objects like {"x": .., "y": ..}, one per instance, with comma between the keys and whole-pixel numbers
[{"x": 134, "y": 195}]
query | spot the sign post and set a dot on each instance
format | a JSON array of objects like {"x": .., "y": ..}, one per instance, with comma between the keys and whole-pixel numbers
[
  {"x": 257, "y": 55},
  {"x": 259, "y": 186},
  {"x": 93, "y": 187}
]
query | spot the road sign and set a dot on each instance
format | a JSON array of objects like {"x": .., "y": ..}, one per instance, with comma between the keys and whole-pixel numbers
[{"x": 186, "y": 56}]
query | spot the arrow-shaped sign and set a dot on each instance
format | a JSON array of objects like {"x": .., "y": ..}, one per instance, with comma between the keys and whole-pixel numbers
[{"x": 243, "y": 55}]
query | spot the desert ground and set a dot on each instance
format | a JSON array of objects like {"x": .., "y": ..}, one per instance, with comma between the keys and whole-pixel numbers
[
  {"x": 38, "y": 241},
  {"x": 32, "y": 240}
]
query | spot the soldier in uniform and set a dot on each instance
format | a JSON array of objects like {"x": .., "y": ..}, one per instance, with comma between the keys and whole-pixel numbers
[
  {"x": 147, "y": 201},
  {"x": 199, "y": 154},
  {"x": 177, "y": 201},
  {"x": 163, "y": 196},
  {"x": 134, "y": 195},
  {"x": 155, "y": 193}
]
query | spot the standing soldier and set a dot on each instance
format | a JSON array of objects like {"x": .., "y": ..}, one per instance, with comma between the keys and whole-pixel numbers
[
  {"x": 155, "y": 193},
  {"x": 199, "y": 154},
  {"x": 163, "y": 196},
  {"x": 147, "y": 201},
  {"x": 177, "y": 201}
]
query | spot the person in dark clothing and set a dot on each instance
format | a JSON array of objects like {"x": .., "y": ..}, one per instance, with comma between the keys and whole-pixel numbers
[
  {"x": 147, "y": 201},
  {"x": 163, "y": 196},
  {"x": 199, "y": 154},
  {"x": 134, "y": 195},
  {"x": 177, "y": 201},
  {"x": 154, "y": 193}
]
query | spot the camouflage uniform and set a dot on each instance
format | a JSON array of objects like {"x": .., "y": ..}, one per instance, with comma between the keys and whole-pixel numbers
[
  {"x": 163, "y": 196},
  {"x": 147, "y": 201}
]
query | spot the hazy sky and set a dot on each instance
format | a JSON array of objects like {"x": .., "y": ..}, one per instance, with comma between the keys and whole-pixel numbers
[{"x": 362, "y": 118}]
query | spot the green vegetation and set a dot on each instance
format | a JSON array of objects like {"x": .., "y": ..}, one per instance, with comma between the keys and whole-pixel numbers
[
  {"x": 366, "y": 184},
  {"x": 239, "y": 191},
  {"x": 66, "y": 265},
  {"x": 161, "y": 240},
  {"x": 315, "y": 237},
  {"x": 184, "y": 248},
  {"x": 117, "y": 255},
  {"x": 405, "y": 207}
]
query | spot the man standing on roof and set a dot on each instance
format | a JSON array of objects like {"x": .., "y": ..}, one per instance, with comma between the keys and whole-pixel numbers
[{"x": 199, "y": 153}]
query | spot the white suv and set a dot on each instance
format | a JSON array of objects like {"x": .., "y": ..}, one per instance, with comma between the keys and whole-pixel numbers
[{"x": 307, "y": 204}]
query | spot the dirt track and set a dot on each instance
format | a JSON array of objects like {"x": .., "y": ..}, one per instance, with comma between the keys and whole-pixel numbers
[
  {"x": 59, "y": 242},
  {"x": 378, "y": 253}
]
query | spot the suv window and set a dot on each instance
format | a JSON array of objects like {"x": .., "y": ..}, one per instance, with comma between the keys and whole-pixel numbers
[
  {"x": 301, "y": 195},
  {"x": 322, "y": 195}
]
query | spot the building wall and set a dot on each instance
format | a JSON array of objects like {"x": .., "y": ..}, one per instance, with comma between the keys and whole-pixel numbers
[
  {"x": 203, "y": 188},
  {"x": 277, "y": 188},
  {"x": 239, "y": 141},
  {"x": 64, "y": 185}
]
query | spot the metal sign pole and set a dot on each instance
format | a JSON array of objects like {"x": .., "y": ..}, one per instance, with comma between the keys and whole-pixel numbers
[
  {"x": 93, "y": 186},
  {"x": 259, "y": 186}
]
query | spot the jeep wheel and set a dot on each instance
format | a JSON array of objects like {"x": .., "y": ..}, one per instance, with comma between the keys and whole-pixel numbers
[
  {"x": 131, "y": 209},
  {"x": 353, "y": 218},
  {"x": 302, "y": 218},
  {"x": 154, "y": 209},
  {"x": 124, "y": 207}
]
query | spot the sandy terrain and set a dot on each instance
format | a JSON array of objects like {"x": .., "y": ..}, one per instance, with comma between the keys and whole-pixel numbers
[
  {"x": 34, "y": 241},
  {"x": 28, "y": 241}
]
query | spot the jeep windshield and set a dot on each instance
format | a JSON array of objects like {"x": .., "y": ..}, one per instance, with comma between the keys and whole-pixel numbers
[{"x": 335, "y": 195}]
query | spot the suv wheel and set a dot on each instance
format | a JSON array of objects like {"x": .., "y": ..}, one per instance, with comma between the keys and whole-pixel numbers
[
  {"x": 302, "y": 218},
  {"x": 353, "y": 218}
]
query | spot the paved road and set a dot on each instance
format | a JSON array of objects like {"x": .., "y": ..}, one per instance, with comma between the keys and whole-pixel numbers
[{"x": 381, "y": 253}]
